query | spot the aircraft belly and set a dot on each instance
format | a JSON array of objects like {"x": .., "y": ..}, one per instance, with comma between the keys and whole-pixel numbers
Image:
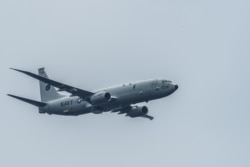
[{"x": 68, "y": 107}]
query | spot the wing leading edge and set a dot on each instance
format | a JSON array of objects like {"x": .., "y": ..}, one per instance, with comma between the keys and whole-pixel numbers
[{"x": 62, "y": 87}]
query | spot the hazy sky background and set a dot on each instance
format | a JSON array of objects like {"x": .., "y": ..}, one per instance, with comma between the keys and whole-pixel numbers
[{"x": 201, "y": 45}]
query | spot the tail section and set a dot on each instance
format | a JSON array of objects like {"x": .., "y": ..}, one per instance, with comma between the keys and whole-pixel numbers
[
  {"x": 33, "y": 102},
  {"x": 47, "y": 91}
]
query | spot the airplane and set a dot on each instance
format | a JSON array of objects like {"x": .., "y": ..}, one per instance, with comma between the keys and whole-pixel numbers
[{"x": 118, "y": 99}]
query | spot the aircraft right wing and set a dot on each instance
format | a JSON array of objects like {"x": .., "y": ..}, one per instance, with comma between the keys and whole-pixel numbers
[
  {"x": 127, "y": 110},
  {"x": 62, "y": 87}
]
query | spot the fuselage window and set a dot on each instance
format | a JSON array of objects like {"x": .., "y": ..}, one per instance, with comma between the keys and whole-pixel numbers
[{"x": 79, "y": 100}]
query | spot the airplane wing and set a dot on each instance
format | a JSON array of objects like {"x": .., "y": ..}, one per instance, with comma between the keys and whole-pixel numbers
[
  {"x": 62, "y": 87},
  {"x": 148, "y": 116},
  {"x": 125, "y": 110}
]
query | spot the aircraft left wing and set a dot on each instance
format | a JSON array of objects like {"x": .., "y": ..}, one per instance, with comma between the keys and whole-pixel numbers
[{"x": 62, "y": 87}]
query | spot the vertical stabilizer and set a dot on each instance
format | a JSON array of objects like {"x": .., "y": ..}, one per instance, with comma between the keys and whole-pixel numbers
[{"x": 47, "y": 91}]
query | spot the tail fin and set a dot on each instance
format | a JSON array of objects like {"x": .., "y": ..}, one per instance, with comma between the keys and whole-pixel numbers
[
  {"x": 33, "y": 102},
  {"x": 47, "y": 91}
]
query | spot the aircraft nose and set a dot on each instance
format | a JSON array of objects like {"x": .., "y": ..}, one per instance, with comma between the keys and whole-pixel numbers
[{"x": 176, "y": 87}]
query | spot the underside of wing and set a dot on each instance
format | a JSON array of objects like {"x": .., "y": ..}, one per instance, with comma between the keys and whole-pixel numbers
[{"x": 134, "y": 111}]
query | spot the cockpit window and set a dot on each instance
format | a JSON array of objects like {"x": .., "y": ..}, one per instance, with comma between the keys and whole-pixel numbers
[{"x": 165, "y": 84}]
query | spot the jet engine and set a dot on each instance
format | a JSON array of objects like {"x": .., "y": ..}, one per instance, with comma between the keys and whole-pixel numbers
[
  {"x": 137, "y": 111},
  {"x": 100, "y": 97}
]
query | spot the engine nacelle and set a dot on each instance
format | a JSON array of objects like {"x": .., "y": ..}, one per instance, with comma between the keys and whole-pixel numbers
[
  {"x": 137, "y": 111},
  {"x": 100, "y": 97}
]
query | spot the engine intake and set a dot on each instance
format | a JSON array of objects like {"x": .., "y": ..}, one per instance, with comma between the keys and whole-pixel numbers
[
  {"x": 137, "y": 111},
  {"x": 100, "y": 97}
]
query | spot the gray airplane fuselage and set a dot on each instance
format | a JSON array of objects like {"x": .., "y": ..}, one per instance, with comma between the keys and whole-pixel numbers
[
  {"x": 122, "y": 96},
  {"x": 121, "y": 99}
]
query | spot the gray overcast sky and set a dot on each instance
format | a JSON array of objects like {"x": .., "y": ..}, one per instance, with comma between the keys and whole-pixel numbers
[{"x": 201, "y": 45}]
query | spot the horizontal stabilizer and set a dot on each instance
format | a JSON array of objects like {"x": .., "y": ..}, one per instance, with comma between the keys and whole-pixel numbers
[{"x": 33, "y": 102}]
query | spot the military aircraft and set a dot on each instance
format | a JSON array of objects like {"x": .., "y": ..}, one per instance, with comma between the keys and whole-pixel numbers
[{"x": 120, "y": 99}]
